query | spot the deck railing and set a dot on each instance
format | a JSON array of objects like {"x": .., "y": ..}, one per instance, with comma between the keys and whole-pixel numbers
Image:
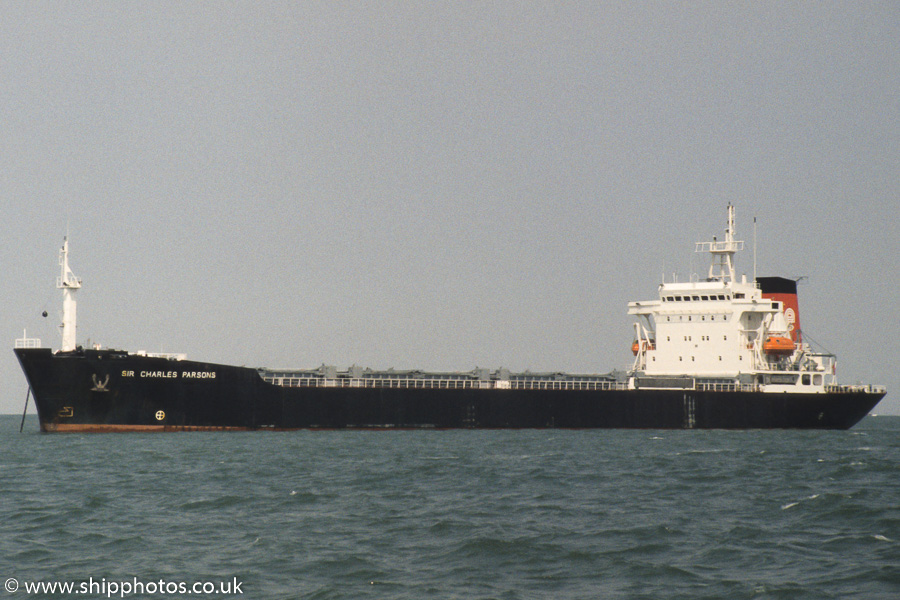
[
  {"x": 28, "y": 343},
  {"x": 443, "y": 384},
  {"x": 536, "y": 384},
  {"x": 854, "y": 389},
  {"x": 727, "y": 387}
]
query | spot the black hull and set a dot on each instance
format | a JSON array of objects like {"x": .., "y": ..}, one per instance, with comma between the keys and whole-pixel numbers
[{"x": 115, "y": 391}]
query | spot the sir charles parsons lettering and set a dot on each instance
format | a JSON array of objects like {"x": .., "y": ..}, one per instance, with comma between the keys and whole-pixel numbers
[{"x": 170, "y": 374}]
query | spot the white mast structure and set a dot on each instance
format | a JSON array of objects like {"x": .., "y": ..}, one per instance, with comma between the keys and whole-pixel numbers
[
  {"x": 722, "y": 266},
  {"x": 69, "y": 284}
]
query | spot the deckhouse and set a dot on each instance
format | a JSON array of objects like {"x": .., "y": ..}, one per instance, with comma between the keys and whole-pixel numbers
[{"x": 725, "y": 330}]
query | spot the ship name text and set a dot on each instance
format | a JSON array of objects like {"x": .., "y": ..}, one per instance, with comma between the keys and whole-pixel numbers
[{"x": 170, "y": 374}]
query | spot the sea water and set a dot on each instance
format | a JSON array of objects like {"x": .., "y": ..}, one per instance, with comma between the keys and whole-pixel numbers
[{"x": 452, "y": 514}]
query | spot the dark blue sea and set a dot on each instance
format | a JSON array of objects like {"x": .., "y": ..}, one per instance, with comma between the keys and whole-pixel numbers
[{"x": 452, "y": 514}]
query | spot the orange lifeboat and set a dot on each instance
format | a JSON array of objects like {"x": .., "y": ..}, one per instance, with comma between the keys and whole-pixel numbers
[
  {"x": 647, "y": 346},
  {"x": 780, "y": 346}
]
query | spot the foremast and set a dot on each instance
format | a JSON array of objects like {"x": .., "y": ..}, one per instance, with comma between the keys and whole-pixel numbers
[{"x": 69, "y": 284}]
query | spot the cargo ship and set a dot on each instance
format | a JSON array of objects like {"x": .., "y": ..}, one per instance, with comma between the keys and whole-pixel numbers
[{"x": 714, "y": 352}]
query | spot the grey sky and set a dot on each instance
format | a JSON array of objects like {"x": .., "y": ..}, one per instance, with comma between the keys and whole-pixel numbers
[{"x": 441, "y": 185}]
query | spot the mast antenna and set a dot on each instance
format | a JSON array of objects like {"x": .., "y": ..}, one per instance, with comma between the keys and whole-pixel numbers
[{"x": 754, "y": 249}]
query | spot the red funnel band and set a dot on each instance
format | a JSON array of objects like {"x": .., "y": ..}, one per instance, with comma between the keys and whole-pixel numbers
[{"x": 780, "y": 289}]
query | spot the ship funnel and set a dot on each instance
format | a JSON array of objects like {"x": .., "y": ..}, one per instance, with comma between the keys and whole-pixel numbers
[{"x": 780, "y": 289}]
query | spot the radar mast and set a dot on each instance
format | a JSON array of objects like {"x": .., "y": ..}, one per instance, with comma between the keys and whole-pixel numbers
[{"x": 721, "y": 267}]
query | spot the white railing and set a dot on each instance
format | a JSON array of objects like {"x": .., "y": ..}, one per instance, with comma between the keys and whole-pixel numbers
[
  {"x": 28, "y": 343},
  {"x": 567, "y": 385},
  {"x": 727, "y": 387},
  {"x": 444, "y": 384},
  {"x": 166, "y": 355},
  {"x": 719, "y": 247},
  {"x": 851, "y": 389},
  {"x": 540, "y": 384}
]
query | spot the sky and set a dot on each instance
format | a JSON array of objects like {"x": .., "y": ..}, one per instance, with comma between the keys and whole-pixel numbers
[{"x": 441, "y": 186}]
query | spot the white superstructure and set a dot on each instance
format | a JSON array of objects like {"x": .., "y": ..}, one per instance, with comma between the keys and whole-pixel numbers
[
  {"x": 69, "y": 284},
  {"x": 722, "y": 330}
]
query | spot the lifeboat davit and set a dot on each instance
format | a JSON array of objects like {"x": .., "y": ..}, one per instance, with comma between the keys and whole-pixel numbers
[
  {"x": 647, "y": 346},
  {"x": 778, "y": 345}
]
